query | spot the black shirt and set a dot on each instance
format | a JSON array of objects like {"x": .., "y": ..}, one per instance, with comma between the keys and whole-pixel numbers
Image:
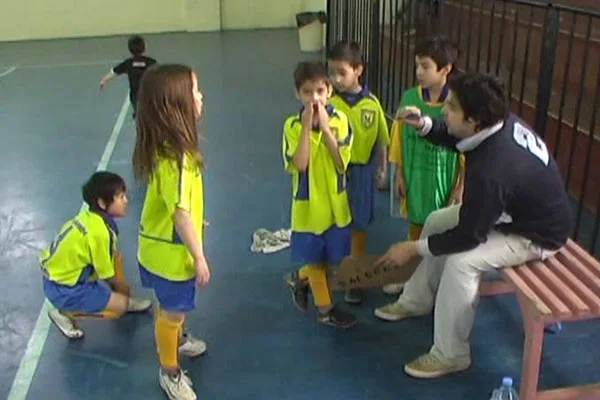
[
  {"x": 134, "y": 67},
  {"x": 509, "y": 174}
]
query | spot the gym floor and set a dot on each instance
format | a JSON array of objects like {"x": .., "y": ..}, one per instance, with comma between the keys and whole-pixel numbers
[{"x": 57, "y": 128}]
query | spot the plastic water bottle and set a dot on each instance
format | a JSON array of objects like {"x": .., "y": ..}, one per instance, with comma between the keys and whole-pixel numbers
[{"x": 506, "y": 391}]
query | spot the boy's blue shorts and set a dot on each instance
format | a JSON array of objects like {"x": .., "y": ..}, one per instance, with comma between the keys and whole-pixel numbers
[
  {"x": 330, "y": 247},
  {"x": 86, "y": 297},
  {"x": 361, "y": 194},
  {"x": 173, "y": 296}
]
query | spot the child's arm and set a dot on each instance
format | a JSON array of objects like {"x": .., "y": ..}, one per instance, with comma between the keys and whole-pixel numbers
[
  {"x": 331, "y": 141},
  {"x": 107, "y": 78},
  {"x": 459, "y": 185},
  {"x": 395, "y": 157},
  {"x": 302, "y": 154},
  {"x": 185, "y": 229}
]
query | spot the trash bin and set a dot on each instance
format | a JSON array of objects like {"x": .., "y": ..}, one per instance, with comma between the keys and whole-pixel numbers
[{"x": 310, "y": 30}]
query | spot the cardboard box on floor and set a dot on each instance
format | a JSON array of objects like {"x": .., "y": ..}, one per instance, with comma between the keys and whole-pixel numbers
[{"x": 361, "y": 272}]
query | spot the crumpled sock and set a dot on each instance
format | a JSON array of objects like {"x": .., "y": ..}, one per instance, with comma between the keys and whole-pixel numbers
[{"x": 264, "y": 241}]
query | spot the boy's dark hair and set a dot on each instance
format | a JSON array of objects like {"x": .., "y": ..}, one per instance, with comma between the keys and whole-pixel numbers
[
  {"x": 347, "y": 51},
  {"x": 482, "y": 97},
  {"x": 440, "y": 49},
  {"x": 102, "y": 185},
  {"x": 136, "y": 45},
  {"x": 310, "y": 71}
]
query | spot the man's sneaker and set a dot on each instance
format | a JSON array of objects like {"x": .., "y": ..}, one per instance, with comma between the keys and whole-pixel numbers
[
  {"x": 191, "y": 346},
  {"x": 177, "y": 386},
  {"x": 138, "y": 305},
  {"x": 393, "y": 312},
  {"x": 353, "y": 296},
  {"x": 299, "y": 290},
  {"x": 428, "y": 366},
  {"x": 336, "y": 318},
  {"x": 393, "y": 288},
  {"x": 65, "y": 325}
]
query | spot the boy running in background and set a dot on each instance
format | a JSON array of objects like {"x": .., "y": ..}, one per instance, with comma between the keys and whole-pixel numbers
[
  {"x": 316, "y": 146},
  {"x": 82, "y": 268},
  {"x": 369, "y": 148},
  {"x": 427, "y": 177},
  {"x": 134, "y": 67}
]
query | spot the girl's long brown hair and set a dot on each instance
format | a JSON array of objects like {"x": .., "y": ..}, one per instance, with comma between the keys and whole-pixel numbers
[{"x": 166, "y": 119}]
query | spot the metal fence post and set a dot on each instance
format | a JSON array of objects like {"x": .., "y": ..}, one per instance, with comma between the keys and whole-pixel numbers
[
  {"x": 547, "y": 59},
  {"x": 373, "y": 62}
]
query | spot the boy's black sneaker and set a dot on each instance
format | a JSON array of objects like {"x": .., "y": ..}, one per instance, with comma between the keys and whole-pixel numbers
[
  {"x": 337, "y": 318},
  {"x": 299, "y": 290},
  {"x": 353, "y": 296}
]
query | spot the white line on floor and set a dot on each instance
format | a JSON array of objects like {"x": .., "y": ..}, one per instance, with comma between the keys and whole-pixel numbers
[
  {"x": 71, "y": 64},
  {"x": 32, "y": 355},
  {"x": 8, "y": 71}
]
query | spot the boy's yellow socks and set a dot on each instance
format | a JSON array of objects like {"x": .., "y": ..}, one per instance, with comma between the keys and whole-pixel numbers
[{"x": 316, "y": 274}]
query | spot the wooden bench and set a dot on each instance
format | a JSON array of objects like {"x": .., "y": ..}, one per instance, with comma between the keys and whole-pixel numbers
[{"x": 565, "y": 287}]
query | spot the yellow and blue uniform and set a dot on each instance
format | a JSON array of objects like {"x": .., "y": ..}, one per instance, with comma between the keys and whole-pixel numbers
[
  {"x": 165, "y": 263},
  {"x": 320, "y": 213},
  {"x": 81, "y": 255},
  {"x": 369, "y": 128}
]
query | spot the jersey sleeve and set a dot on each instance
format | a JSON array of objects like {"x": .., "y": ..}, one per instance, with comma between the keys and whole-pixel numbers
[
  {"x": 395, "y": 152},
  {"x": 383, "y": 134},
  {"x": 100, "y": 242},
  {"x": 291, "y": 137},
  {"x": 122, "y": 67},
  {"x": 438, "y": 134},
  {"x": 175, "y": 186}
]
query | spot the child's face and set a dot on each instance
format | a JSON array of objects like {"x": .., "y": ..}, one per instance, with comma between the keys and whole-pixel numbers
[
  {"x": 118, "y": 207},
  {"x": 455, "y": 118},
  {"x": 197, "y": 96},
  {"x": 428, "y": 75},
  {"x": 314, "y": 92},
  {"x": 343, "y": 75}
]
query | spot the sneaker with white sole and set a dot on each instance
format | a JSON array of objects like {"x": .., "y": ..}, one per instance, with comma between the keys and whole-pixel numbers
[
  {"x": 394, "y": 312},
  {"x": 428, "y": 366},
  {"x": 67, "y": 326},
  {"x": 191, "y": 347},
  {"x": 393, "y": 288},
  {"x": 138, "y": 305},
  {"x": 177, "y": 386}
]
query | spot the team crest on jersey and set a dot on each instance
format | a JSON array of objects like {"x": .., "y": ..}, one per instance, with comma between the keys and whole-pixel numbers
[{"x": 367, "y": 118}]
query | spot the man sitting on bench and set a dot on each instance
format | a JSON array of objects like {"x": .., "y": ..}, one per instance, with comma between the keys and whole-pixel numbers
[{"x": 515, "y": 209}]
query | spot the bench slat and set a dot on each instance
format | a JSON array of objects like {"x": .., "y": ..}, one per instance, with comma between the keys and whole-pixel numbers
[
  {"x": 510, "y": 274},
  {"x": 571, "y": 281},
  {"x": 590, "y": 262},
  {"x": 558, "y": 287},
  {"x": 586, "y": 276},
  {"x": 529, "y": 274}
]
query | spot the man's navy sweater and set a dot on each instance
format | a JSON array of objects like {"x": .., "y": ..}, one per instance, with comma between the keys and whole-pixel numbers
[{"x": 512, "y": 184}]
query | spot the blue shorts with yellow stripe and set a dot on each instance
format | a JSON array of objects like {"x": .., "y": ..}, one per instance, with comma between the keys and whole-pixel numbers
[
  {"x": 173, "y": 296},
  {"x": 330, "y": 247}
]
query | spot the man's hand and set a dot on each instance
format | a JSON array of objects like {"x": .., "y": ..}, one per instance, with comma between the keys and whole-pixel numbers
[
  {"x": 398, "y": 254},
  {"x": 411, "y": 116}
]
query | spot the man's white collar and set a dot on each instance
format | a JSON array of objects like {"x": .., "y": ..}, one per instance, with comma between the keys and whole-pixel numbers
[{"x": 472, "y": 142}]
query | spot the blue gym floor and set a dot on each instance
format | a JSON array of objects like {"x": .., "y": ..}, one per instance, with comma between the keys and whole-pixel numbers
[{"x": 55, "y": 127}]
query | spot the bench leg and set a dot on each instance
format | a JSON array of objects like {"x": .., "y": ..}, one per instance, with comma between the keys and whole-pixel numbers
[{"x": 532, "y": 352}]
